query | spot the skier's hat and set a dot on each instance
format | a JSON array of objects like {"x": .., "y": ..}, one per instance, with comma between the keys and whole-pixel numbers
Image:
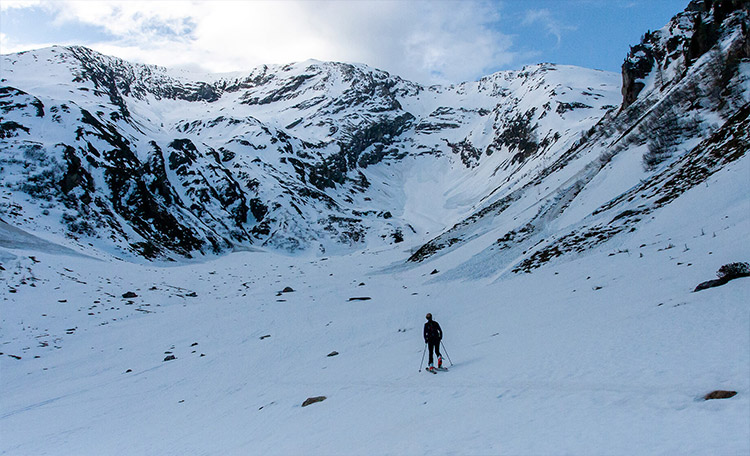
[{"x": 428, "y": 316}]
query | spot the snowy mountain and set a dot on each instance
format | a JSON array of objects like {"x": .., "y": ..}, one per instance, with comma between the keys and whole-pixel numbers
[
  {"x": 291, "y": 157},
  {"x": 680, "y": 107},
  {"x": 186, "y": 258},
  {"x": 318, "y": 155}
]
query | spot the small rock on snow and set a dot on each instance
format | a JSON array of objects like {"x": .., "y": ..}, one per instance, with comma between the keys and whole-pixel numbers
[
  {"x": 312, "y": 400},
  {"x": 719, "y": 394}
]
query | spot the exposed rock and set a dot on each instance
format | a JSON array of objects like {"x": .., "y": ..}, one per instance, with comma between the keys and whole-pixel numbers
[
  {"x": 699, "y": 29},
  {"x": 360, "y": 298},
  {"x": 734, "y": 270},
  {"x": 312, "y": 400},
  {"x": 719, "y": 394},
  {"x": 726, "y": 273},
  {"x": 169, "y": 358},
  {"x": 288, "y": 290},
  {"x": 265, "y": 337},
  {"x": 710, "y": 284},
  {"x": 636, "y": 67},
  {"x": 333, "y": 353},
  {"x": 434, "y": 271},
  {"x": 129, "y": 295}
]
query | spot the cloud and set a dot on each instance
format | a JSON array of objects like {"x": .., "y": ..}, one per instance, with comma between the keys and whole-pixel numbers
[
  {"x": 18, "y": 4},
  {"x": 419, "y": 40},
  {"x": 548, "y": 22},
  {"x": 8, "y": 45}
]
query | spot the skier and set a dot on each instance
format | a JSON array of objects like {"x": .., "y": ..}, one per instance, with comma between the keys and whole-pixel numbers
[{"x": 432, "y": 336}]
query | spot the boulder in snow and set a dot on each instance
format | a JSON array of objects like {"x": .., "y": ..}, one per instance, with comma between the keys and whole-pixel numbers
[
  {"x": 726, "y": 273},
  {"x": 719, "y": 394},
  {"x": 312, "y": 400}
]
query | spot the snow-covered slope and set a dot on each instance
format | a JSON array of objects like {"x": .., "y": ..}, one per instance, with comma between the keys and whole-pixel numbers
[
  {"x": 606, "y": 354},
  {"x": 293, "y": 157},
  {"x": 632, "y": 162},
  {"x": 554, "y": 224}
]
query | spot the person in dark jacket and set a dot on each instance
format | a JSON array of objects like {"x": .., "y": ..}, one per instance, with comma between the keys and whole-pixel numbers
[{"x": 432, "y": 336}]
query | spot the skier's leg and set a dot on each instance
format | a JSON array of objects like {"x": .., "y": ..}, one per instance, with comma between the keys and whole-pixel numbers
[{"x": 430, "y": 348}]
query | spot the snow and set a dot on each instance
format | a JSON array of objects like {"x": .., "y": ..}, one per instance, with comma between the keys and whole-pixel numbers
[
  {"x": 620, "y": 175},
  {"x": 606, "y": 350},
  {"x": 597, "y": 354}
]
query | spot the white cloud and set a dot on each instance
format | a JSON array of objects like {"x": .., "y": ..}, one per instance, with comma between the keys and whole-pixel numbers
[
  {"x": 8, "y": 45},
  {"x": 420, "y": 40},
  {"x": 548, "y": 21},
  {"x": 18, "y": 4}
]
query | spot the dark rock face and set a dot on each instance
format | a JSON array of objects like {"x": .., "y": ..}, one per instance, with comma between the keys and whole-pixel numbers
[
  {"x": 10, "y": 129},
  {"x": 636, "y": 67},
  {"x": 378, "y": 135},
  {"x": 12, "y": 99},
  {"x": 520, "y": 137},
  {"x": 692, "y": 34},
  {"x": 120, "y": 79},
  {"x": 75, "y": 175},
  {"x": 469, "y": 154}
]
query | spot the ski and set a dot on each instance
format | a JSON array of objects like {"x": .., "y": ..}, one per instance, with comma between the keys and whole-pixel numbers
[{"x": 431, "y": 371}]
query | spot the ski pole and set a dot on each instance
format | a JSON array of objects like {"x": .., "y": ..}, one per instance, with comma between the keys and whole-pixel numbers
[
  {"x": 423, "y": 352},
  {"x": 446, "y": 352}
]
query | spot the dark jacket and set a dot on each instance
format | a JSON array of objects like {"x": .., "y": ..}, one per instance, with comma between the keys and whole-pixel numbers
[{"x": 432, "y": 332}]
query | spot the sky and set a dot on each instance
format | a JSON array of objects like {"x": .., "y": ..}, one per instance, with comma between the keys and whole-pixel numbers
[{"x": 437, "y": 41}]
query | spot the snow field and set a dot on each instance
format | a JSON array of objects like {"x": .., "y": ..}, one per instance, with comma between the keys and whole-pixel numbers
[{"x": 609, "y": 353}]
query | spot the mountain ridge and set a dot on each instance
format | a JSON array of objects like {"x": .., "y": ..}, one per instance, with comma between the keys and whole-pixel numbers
[
  {"x": 358, "y": 147},
  {"x": 314, "y": 156}
]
